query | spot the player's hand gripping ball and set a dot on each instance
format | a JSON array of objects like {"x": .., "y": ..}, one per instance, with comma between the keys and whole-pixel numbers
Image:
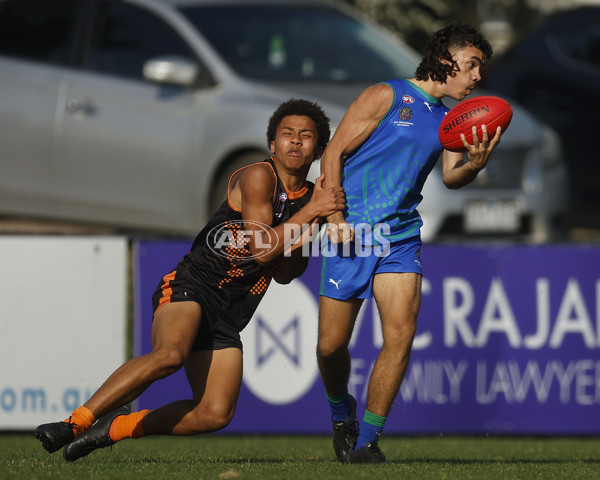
[{"x": 493, "y": 112}]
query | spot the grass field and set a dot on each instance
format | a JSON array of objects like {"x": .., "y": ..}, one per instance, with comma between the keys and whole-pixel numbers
[{"x": 308, "y": 457}]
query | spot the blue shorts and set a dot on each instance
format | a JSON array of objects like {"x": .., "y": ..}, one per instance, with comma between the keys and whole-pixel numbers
[{"x": 347, "y": 275}]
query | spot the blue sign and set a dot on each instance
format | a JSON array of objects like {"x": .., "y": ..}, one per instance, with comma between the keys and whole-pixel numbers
[{"x": 508, "y": 341}]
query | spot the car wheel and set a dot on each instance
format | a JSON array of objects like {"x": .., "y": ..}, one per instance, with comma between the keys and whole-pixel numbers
[{"x": 219, "y": 186}]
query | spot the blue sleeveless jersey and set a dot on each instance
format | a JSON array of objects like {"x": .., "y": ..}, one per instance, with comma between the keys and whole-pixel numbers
[{"x": 383, "y": 178}]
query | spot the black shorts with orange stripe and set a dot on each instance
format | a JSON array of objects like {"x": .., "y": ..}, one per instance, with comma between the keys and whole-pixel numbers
[{"x": 215, "y": 333}]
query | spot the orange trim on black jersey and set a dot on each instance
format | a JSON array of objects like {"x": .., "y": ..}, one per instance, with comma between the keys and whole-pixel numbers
[
  {"x": 293, "y": 195},
  {"x": 239, "y": 169},
  {"x": 297, "y": 193}
]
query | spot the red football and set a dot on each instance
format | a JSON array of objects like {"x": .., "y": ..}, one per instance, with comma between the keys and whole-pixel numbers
[{"x": 493, "y": 112}]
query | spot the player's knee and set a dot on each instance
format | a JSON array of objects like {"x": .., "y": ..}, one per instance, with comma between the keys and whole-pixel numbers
[
  {"x": 328, "y": 350},
  {"x": 168, "y": 360},
  {"x": 214, "y": 416},
  {"x": 409, "y": 330},
  {"x": 400, "y": 334},
  {"x": 219, "y": 420}
]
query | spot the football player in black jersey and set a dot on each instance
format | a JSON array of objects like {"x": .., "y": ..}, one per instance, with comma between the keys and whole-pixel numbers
[{"x": 209, "y": 297}]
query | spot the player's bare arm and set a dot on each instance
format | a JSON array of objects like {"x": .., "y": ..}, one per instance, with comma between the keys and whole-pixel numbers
[
  {"x": 456, "y": 171},
  {"x": 360, "y": 120},
  {"x": 257, "y": 185},
  {"x": 293, "y": 262}
]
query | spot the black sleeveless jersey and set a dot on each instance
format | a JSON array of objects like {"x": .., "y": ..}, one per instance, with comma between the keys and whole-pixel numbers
[{"x": 229, "y": 283}]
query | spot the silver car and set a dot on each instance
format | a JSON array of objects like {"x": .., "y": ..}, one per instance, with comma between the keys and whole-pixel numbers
[{"x": 132, "y": 114}]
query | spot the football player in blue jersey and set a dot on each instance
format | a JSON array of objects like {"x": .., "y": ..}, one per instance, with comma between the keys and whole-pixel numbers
[{"x": 383, "y": 150}]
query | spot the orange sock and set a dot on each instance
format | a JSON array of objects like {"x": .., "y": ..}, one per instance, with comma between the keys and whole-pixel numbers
[
  {"x": 128, "y": 426},
  {"x": 82, "y": 418}
]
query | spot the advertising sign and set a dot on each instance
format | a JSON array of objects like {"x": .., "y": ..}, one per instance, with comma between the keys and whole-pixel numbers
[
  {"x": 508, "y": 341},
  {"x": 63, "y": 323}
]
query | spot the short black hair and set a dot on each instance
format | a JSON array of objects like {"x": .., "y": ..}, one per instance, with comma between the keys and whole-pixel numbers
[
  {"x": 440, "y": 46},
  {"x": 302, "y": 108}
]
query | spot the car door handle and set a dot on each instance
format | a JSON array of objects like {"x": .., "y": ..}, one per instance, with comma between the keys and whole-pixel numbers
[{"x": 81, "y": 106}]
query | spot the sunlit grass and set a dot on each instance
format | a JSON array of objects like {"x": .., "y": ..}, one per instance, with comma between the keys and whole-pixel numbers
[{"x": 308, "y": 457}]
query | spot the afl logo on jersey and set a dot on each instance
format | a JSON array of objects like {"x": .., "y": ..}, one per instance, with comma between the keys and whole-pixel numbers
[
  {"x": 408, "y": 99},
  {"x": 231, "y": 239},
  {"x": 406, "y": 113}
]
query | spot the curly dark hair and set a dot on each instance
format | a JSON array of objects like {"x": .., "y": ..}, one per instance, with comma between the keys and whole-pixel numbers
[
  {"x": 302, "y": 108},
  {"x": 440, "y": 47}
]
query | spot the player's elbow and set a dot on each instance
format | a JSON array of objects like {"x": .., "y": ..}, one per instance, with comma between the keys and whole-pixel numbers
[
  {"x": 283, "y": 280},
  {"x": 451, "y": 185},
  {"x": 289, "y": 268}
]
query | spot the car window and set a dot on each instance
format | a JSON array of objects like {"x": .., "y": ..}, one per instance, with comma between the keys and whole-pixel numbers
[
  {"x": 38, "y": 30},
  {"x": 124, "y": 37},
  {"x": 582, "y": 43},
  {"x": 298, "y": 42}
]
